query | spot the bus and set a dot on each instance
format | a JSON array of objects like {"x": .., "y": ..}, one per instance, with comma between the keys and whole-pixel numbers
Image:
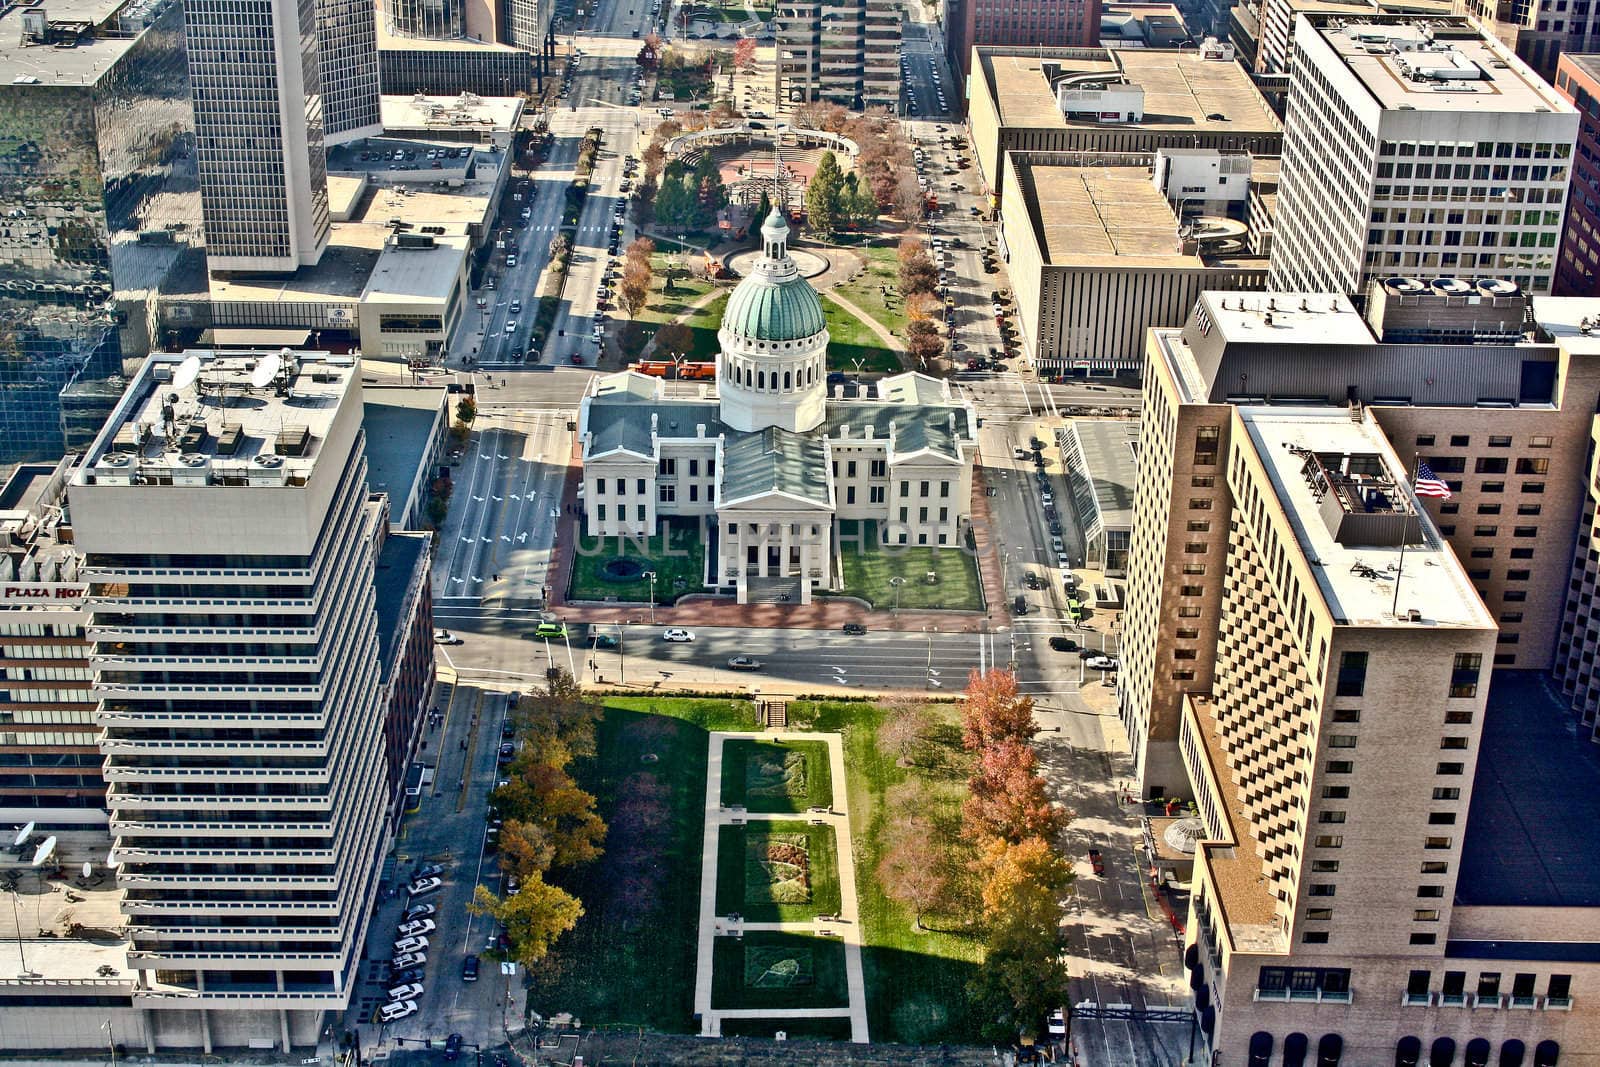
[{"x": 689, "y": 372}]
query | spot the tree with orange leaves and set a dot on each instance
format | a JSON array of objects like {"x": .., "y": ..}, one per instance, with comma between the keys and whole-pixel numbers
[{"x": 995, "y": 711}]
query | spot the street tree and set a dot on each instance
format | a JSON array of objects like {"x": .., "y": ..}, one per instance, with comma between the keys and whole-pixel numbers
[
  {"x": 912, "y": 869},
  {"x": 995, "y": 711},
  {"x": 1006, "y": 798},
  {"x": 822, "y": 195},
  {"x": 744, "y": 54},
  {"x": 673, "y": 341},
  {"x": 924, "y": 342},
  {"x": 634, "y": 292},
  {"x": 534, "y": 916}
]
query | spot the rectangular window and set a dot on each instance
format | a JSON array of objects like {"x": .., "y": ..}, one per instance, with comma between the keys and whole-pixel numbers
[
  {"x": 1501, "y": 441},
  {"x": 849, "y": 494},
  {"x": 1485, "y": 531},
  {"x": 1459, "y": 743},
  {"x": 944, "y": 489},
  {"x": 1522, "y": 553},
  {"x": 600, "y": 512},
  {"x": 1341, "y": 766},
  {"x": 1488, "y": 509},
  {"x": 1533, "y": 466},
  {"x": 1429, "y": 892},
  {"x": 639, "y": 486},
  {"x": 1464, "y": 675},
  {"x": 1490, "y": 465},
  {"x": 1199, "y": 504},
  {"x": 1529, "y": 509},
  {"x": 1533, "y": 487},
  {"x": 1342, "y": 741},
  {"x": 1435, "y": 867},
  {"x": 1460, "y": 440},
  {"x": 1424, "y": 915},
  {"x": 905, "y": 488},
  {"x": 1194, "y": 548},
  {"x": 1206, "y": 481},
  {"x": 1448, "y": 768},
  {"x": 1436, "y": 843},
  {"x": 1346, "y": 714},
  {"x": 1335, "y": 792},
  {"x": 879, "y": 468},
  {"x": 1492, "y": 487},
  {"x": 1352, "y": 674},
  {"x": 1325, "y": 866},
  {"x": 1417, "y": 983},
  {"x": 667, "y": 467},
  {"x": 1319, "y": 914},
  {"x": 1447, "y": 792},
  {"x": 1331, "y": 817},
  {"x": 1441, "y": 818},
  {"x": 666, "y": 492},
  {"x": 1518, "y": 575},
  {"x": 1489, "y": 984},
  {"x": 1315, "y": 937},
  {"x": 1424, "y": 939},
  {"x": 694, "y": 468},
  {"x": 1199, "y": 526},
  {"x": 1560, "y": 988},
  {"x": 923, "y": 490},
  {"x": 1329, "y": 841}
]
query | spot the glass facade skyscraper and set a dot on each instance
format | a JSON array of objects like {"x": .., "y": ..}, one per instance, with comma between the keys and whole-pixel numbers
[{"x": 99, "y": 211}]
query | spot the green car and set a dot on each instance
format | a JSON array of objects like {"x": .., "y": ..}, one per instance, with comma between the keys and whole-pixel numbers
[
  {"x": 550, "y": 629},
  {"x": 604, "y": 641}
]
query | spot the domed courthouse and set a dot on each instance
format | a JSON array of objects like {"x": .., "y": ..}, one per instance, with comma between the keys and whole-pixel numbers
[{"x": 768, "y": 455}]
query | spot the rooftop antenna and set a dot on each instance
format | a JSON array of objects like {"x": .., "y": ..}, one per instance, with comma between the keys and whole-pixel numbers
[
  {"x": 265, "y": 370},
  {"x": 22, "y": 836},
  {"x": 186, "y": 373}
]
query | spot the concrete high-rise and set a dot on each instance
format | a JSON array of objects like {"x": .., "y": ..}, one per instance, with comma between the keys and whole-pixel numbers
[
  {"x": 228, "y": 540},
  {"x": 1417, "y": 147},
  {"x": 1578, "y": 268},
  {"x": 1018, "y": 23},
  {"x": 347, "y": 46},
  {"x": 256, "y": 73},
  {"x": 1538, "y": 30},
  {"x": 843, "y": 51},
  {"x": 102, "y": 213}
]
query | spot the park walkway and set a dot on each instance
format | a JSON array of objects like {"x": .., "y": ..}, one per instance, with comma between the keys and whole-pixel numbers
[
  {"x": 846, "y": 925},
  {"x": 890, "y": 341}
]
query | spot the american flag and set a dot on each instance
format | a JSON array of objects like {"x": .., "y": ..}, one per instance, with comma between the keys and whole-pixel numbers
[{"x": 1429, "y": 484}]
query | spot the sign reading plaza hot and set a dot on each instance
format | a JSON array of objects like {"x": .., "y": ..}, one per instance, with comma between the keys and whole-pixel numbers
[{"x": 55, "y": 592}]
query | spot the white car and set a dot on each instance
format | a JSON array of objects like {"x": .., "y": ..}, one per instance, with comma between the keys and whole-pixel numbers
[
  {"x": 1057, "y": 1023},
  {"x": 511, "y": 327},
  {"x": 417, "y": 927},
  {"x": 1101, "y": 663},
  {"x": 423, "y": 885},
  {"x": 407, "y": 960},
  {"x": 445, "y": 637},
  {"x": 419, "y": 911},
  {"x": 411, "y": 944},
  {"x": 399, "y": 1010},
  {"x": 406, "y": 992},
  {"x": 676, "y": 634},
  {"x": 511, "y": 261}
]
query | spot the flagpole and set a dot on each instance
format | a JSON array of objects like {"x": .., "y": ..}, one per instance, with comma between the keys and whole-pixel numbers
[{"x": 1405, "y": 535}]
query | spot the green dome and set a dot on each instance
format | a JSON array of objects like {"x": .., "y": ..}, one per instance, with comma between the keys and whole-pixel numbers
[{"x": 766, "y": 309}]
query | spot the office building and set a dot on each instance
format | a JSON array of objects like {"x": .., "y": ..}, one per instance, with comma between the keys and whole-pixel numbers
[
  {"x": 347, "y": 51},
  {"x": 97, "y": 186},
  {"x": 255, "y": 71},
  {"x": 790, "y": 476},
  {"x": 1497, "y": 397},
  {"x": 1368, "y": 883},
  {"x": 1117, "y": 100},
  {"x": 411, "y": 65},
  {"x": 1274, "y": 45},
  {"x": 49, "y": 758},
  {"x": 1578, "y": 267},
  {"x": 1102, "y": 247},
  {"x": 1417, "y": 147},
  {"x": 844, "y": 51},
  {"x": 1018, "y": 24},
  {"x": 1539, "y": 31},
  {"x": 229, "y": 542}
]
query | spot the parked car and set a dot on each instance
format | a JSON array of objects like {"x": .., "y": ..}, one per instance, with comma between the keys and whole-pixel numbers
[
  {"x": 854, "y": 629},
  {"x": 410, "y": 974},
  {"x": 744, "y": 663},
  {"x": 469, "y": 969},
  {"x": 411, "y": 944},
  {"x": 604, "y": 641},
  {"x": 445, "y": 637},
  {"x": 508, "y": 752},
  {"x": 419, "y": 911},
  {"x": 452, "y": 1047},
  {"x": 399, "y": 1010},
  {"x": 408, "y": 960},
  {"x": 1057, "y": 1023},
  {"x": 417, "y": 927},
  {"x": 1101, "y": 663},
  {"x": 432, "y": 870},
  {"x": 409, "y": 991},
  {"x": 550, "y": 629},
  {"x": 423, "y": 886},
  {"x": 676, "y": 634},
  {"x": 1063, "y": 644},
  {"x": 1097, "y": 863}
]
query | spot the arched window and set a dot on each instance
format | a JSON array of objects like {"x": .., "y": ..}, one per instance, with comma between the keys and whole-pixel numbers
[
  {"x": 1260, "y": 1049},
  {"x": 1442, "y": 1053},
  {"x": 1477, "y": 1053},
  {"x": 1512, "y": 1053},
  {"x": 1329, "y": 1050},
  {"x": 1294, "y": 1050},
  {"x": 1407, "y": 1051},
  {"x": 761, "y": 379},
  {"x": 1546, "y": 1053},
  {"x": 788, "y": 380}
]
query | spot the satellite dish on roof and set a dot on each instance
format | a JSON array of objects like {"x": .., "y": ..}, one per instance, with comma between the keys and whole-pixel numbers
[
  {"x": 88, "y": 868},
  {"x": 46, "y": 847},
  {"x": 113, "y": 861},
  {"x": 186, "y": 373},
  {"x": 266, "y": 370},
  {"x": 23, "y": 835}
]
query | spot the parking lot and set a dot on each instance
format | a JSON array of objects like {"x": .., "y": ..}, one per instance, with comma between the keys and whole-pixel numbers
[{"x": 442, "y": 842}]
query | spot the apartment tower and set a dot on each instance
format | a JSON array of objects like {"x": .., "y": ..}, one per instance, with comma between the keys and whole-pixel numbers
[
  {"x": 228, "y": 542},
  {"x": 844, "y": 51},
  {"x": 1416, "y": 146},
  {"x": 256, "y": 72}
]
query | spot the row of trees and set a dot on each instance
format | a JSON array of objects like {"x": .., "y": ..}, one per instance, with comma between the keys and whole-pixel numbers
[
  {"x": 919, "y": 286},
  {"x": 549, "y": 823},
  {"x": 836, "y": 200},
  {"x": 989, "y": 861},
  {"x": 633, "y": 292}
]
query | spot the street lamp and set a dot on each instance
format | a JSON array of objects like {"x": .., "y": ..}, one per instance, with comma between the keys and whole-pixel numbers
[
  {"x": 897, "y": 582},
  {"x": 652, "y": 576}
]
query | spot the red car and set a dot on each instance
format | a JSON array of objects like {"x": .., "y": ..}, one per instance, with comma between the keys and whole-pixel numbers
[
  {"x": 1097, "y": 862},
  {"x": 577, "y": 360}
]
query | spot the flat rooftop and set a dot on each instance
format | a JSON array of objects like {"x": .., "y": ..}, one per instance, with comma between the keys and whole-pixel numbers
[
  {"x": 1319, "y": 318},
  {"x": 247, "y": 418},
  {"x": 396, "y": 562},
  {"x": 400, "y": 43},
  {"x": 1094, "y": 214},
  {"x": 1181, "y": 90},
  {"x": 407, "y": 275},
  {"x": 1530, "y": 838},
  {"x": 53, "y": 897},
  {"x": 463, "y": 111},
  {"x": 400, "y": 422},
  {"x": 1113, "y": 468},
  {"x": 340, "y": 275},
  {"x": 1356, "y": 579},
  {"x": 471, "y": 203},
  {"x": 1573, "y": 322},
  {"x": 1427, "y": 63},
  {"x": 46, "y": 64}
]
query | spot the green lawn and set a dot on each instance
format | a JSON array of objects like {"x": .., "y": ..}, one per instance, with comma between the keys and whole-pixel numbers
[
  {"x": 664, "y": 307},
  {"x": 916, "y": 980},
  {"x": 850, "y": 339},
  {"x": 777, "y": 871},
  {"x": 772, "y": 969},
  {"x": 867, "y": 290},
  {"x": 869, "y": 566},
  {"x": 780, "y": 776},
  {"x": 677, "y": 554},
  {"x": 631, "y": 958}
]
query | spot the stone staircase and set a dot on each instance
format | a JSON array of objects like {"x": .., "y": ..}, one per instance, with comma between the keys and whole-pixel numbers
[{"x": 774, "y": 714}]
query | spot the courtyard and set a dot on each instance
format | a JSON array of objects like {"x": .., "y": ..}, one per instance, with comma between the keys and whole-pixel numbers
[
  {"x": 617, "y": 568},
  {"x": 897, "y": 576}
]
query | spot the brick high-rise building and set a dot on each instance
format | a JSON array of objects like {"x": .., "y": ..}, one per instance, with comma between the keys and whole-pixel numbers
[
  {"x": 1538, "y": 30},
  {"x": 1019, "y": 23},
  {"x": 1578, "y": 266}
]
